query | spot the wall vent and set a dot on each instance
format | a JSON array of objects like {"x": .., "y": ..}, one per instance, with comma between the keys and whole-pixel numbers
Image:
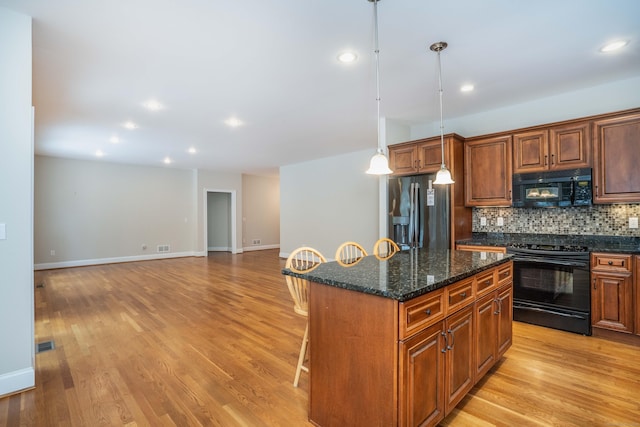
[
  {"x": 163, "y": 248},
  {"x": 44, "y": 346}
]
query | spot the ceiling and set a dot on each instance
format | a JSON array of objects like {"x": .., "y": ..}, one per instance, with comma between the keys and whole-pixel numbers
[{"x": 272, "y": 65}]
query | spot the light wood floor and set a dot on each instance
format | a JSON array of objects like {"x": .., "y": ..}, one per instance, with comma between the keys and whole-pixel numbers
[{"x": 214, "y": 341}]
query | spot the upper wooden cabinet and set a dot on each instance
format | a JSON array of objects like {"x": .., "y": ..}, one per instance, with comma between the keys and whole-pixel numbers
[
  {"x": 559, "y": 147},
  {"x": 617, "y": 158},
  {"x": 487, "y": 171},
  {"x": 423, "y": 155}
]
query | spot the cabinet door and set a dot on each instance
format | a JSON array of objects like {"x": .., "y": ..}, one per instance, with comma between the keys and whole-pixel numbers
[
  {"x": 636, "y": 292},
  {"x": 530, "y": 151},
  {"x": 505, "y": 318},
  {"x": 430, "y": 156},
  {"x": 570, "y": 146},
  {"x": 611, "y": 301},
  {"x": 487, "y": 178},
  {"x": 422, "y": 366},
  {"x": 616, "y": 154},
  {"x": 403, "y": 159},
  {"x": 459, "y": 356},
  {"x": 486, "y": 331}
]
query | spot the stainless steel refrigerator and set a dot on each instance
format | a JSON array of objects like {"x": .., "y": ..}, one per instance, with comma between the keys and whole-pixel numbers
[{"x": 419, "y": 214}]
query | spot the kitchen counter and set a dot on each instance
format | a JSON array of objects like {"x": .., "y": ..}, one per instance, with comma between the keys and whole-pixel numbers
[
  {"x": 614, "y": 244},
  {"x": 406, "y": 275}
]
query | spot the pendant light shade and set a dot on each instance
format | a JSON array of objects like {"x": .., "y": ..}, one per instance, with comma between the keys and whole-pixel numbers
[
  {"x": 443, "y": 176},
  {"x": 379, "y": 164}
]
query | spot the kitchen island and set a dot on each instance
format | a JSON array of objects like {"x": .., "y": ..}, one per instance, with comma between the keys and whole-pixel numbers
[{"x": 401, "y": 341}]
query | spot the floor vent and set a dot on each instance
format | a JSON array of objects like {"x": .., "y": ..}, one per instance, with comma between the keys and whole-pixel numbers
[
  {"x": 44, "y": 346},
  {"x": 40, "y": 285}
]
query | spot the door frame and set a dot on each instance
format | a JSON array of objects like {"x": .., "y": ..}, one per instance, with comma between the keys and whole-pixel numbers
[{"x": 232, "y": 220}]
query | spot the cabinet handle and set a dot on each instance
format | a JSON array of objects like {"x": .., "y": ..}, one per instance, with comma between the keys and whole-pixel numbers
[
  {"x": 497, "y": 306},
  {"x": 545, "y": 160},
  {"x": 509, "y": 195},
  {"x": 611, "y": 263},
  {"x": 552, "y": 159},
  {"x": 446, "y": 342},
  {"x": 418, "y": 163},
  {"x": 453, "y": 340},
  {"x": 427, "y": 312},
  {"x": 463, "y": 295},
  {"x": 594, "y": 283}
]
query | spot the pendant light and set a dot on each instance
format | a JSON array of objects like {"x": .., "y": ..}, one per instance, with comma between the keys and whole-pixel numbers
[
  {"x": 443, "y": 176},
  {"x": 379, "y": 164}
]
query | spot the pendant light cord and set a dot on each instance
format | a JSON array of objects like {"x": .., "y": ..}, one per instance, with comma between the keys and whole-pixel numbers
[
  {"x": 377, "y": 56},
  {"x": 441, "y": 120}
]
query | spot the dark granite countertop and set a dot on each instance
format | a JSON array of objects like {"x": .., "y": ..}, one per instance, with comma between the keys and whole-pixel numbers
[
  {"x": 406, "y": 275},
  {"x": 630, "y": 245}
]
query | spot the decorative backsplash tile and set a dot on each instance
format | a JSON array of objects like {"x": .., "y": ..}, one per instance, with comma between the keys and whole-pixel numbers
[{"x": 599, "y": 220}]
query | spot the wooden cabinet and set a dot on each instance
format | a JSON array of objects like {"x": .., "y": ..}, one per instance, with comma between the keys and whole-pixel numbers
[
  {"x": 617, "y": 156},
  {"x": 477, "y": 248},
  {"x": 559, "y": 147},
  {"x": 636, "y": 293},
  {"x": 425, "y": 155},
  {"x": 493, "y": 319},
  {"x": 377, "y": 361},
  {"x": 612, "y": 292},
  {"x": 487, "y": 178}
]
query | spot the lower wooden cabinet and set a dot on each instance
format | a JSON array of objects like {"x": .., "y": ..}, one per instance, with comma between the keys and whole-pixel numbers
[
  {"x": 612, "y": 292},
  {"x": 458, "y": 370},
  {"x": 493, "y": 328}
]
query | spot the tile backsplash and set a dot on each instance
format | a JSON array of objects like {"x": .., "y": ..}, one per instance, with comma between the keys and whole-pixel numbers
[{"x": 603, "y": 220}]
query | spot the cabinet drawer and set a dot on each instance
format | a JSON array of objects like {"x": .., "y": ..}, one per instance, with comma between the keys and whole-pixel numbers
[
  {"x": 418, "y": 313},
  {"x": 505, "y": 273},
  {"x": 485, "y": 282},
  {"x": 459, "y": 295},
  {"x": 611, "y": 262}
]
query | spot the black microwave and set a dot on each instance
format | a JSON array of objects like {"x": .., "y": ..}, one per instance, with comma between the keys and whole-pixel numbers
[{"x": 552, "y": 189}]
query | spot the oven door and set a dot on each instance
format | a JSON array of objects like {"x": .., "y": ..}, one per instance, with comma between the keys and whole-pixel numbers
[{"x": 552, "y": 291}]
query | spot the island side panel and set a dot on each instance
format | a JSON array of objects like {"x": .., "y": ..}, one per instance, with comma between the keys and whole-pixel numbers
[{"x": 353, "y": 347}]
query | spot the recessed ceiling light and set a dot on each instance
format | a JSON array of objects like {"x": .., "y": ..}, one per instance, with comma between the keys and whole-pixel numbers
[
  {"x": 467, "y": 88},
  {"x": 167, "y": 160},
  {"x": 347, "y": 57},
  {"x": 130, "y": 125},
  {"x": 153, "y": 105},
  {"x": 99, "y": 153},
  {"x": 192, "y": 150},
  {"x": 610, "y": 47},
  {"x": 114, "y": 140},
  {"x": 233, "y": 122}
]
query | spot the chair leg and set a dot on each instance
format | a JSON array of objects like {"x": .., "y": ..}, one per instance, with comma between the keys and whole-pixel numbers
[{"x": 303, "y": 352}]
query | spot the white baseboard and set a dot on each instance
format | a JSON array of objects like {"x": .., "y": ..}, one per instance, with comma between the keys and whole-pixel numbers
[
  {"x": 260, "y": 248},
  {"x": 85, "y": 262},
  {"x": 15, "y": 381}
]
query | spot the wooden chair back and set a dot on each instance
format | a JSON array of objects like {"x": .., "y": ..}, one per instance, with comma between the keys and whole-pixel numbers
[
  {"x": 385, "y": 248},
  {"x": 350, "y": 253},
  {"x": 301, "y": 260}
]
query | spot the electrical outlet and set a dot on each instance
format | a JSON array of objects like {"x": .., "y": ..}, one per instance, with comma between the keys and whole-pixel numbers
[
  {"x": 53, "y": 252},
  {"x": 500, "y": 221},
  {"x": 483, "y": 220},
  {"x": 144, "y": 246},
  {"x": 633, "y": 222},
  {"x": 256, "y": 241}
]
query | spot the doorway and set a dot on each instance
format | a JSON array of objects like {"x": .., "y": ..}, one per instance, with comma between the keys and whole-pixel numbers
[{"x": 220, "y": 221}]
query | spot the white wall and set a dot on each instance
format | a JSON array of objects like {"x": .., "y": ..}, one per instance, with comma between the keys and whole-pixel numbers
[
  {"x": 328, "y": 201},
  {"x": 614, "y": 96},
  {"x": 16, "y": 212},
  {"x": 261, "y": 218},
  {"x": 92, "y": 212}
]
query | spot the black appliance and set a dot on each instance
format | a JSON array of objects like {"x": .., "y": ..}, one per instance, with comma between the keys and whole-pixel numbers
[
  {"x": 552, "y": 189},
  {"x": 419, "y": 212},
  {"x": 551, "y": 286}
]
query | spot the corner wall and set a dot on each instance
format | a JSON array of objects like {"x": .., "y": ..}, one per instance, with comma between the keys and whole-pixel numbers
[{"x": 16, "y": 209}]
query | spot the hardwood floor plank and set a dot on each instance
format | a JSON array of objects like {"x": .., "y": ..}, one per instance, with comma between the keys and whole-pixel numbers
[{"x": 213, "y": 341}]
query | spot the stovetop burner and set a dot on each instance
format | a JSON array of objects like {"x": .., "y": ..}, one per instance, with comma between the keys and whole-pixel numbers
[{"x": 547, "y": 247}]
